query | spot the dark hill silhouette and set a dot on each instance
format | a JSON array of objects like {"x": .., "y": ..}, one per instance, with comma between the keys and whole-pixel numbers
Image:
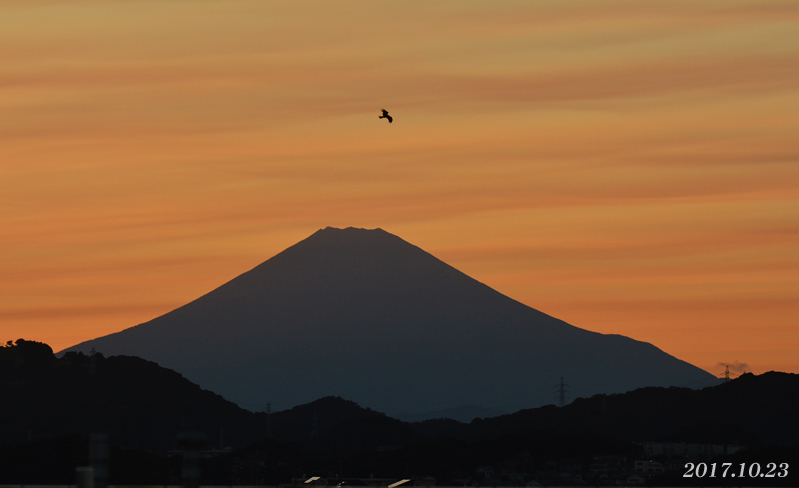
[
  {"x": 316, "y": 419},
  {"x": 758, "y": 411},
  {"x": 364, "y": 315},
  {"x": 750, "y": 410},
  {"x": 137, "y": 403},
  {"x": 26, "y": 360},
  {"x": 141, "y": 405},
  {"x": 374, "y": 431}
]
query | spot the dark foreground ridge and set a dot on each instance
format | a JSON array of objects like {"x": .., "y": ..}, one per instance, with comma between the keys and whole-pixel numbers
[
  {"x": 364, "y": 315},
  {"x": 51, "y": 405}
]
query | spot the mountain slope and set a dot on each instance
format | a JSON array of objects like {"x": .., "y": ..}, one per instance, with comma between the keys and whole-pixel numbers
[
  {"x": 750, "y": 410},
  {"x": 139, "y": 404},
  {"x": 136, "y": 402},
  {"x": 364, "y": 315}
]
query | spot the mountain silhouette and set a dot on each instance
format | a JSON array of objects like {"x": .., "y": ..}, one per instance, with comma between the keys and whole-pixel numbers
[
  {"x": 750, "y": 410},
  {"x": 51, "y": 405},
  {"x": 136, "y": 402},
  {"x": 364, "y": 315},
  {"x": 139, "y": 404}
]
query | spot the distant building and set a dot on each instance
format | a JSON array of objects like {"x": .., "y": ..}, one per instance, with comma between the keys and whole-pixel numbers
[
  {"x": 649, "y": 468},
  {"x": 636, "y": 480},
  {"x": 686, "y": 449}
]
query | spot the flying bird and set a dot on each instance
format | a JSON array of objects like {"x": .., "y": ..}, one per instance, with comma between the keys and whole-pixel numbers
[{"x": 386, "y": 116}]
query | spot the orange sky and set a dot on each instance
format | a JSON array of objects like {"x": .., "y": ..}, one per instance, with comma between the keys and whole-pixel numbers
[{"x": 629, "y": 167}]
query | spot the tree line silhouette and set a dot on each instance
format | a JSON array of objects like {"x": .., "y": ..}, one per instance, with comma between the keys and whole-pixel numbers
[{"x": 50, "y": 405}]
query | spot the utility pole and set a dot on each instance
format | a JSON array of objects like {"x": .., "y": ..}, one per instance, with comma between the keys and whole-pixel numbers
[{"x": 727, "y": 374}]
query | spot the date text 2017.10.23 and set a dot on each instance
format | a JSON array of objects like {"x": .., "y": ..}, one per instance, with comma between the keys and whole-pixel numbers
[{"x": 741, "y": 470}]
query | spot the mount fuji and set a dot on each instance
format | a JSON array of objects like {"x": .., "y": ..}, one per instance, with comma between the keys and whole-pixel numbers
[{"x": 364, "y": 315}]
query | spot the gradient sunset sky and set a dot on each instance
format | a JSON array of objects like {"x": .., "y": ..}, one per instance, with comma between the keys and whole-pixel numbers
[{"x": 630, "y": 167}]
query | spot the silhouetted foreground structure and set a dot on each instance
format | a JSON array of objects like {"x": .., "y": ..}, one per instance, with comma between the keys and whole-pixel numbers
[
  {"x": 51, "y": 406},
  {"x": 366, "y": 316}
]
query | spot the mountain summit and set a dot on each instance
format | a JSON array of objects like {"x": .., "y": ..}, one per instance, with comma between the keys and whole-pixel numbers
[{"x": 366, "y": 316}]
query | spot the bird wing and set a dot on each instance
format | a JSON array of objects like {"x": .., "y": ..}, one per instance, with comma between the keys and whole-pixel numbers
[
  {"x": 390, "y": 120},
  {"x": 385, "y": 112}
]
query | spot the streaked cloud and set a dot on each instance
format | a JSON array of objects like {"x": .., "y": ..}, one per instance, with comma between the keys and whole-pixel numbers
[{"x": 611, "y": 161}]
